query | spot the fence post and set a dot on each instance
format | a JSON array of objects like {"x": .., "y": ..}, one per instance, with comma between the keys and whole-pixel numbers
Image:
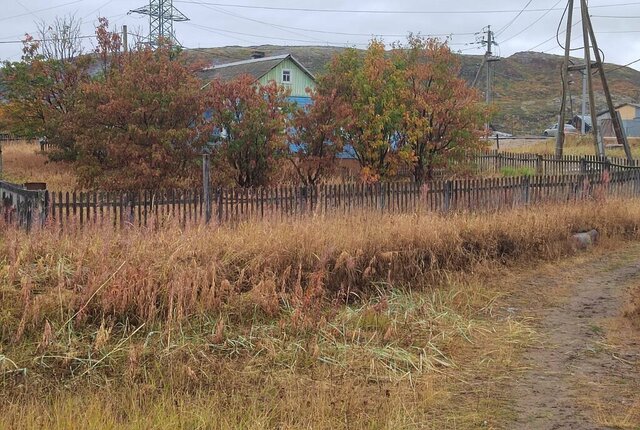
[
  {"x": 448, "y": 188},
  {"x": 539, "y": 170},
  {"x": 206, "y": 191},
  {"x": 526, "y": 185},
  {"x": 131, "y": 201},
  {"x": 220, "y": 204},
  {"x": 583, "y": 165},
  {"x": 304, "y": 196},
  {"x": 45, "y": 210}
]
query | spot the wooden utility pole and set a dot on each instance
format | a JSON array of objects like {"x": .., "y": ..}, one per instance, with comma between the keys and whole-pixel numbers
[
  {"x": 589, "y": 43},
  {"x": 615, "y": 118},
  {"x": 597, "y": 142},
  {"x": 565, "y": 83},
  {"x": 487, "y": 60},
  {"x": 489, "y": 54}
]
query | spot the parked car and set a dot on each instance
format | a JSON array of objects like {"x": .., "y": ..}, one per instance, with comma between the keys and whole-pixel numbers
[{"x": 553, "y": 130}]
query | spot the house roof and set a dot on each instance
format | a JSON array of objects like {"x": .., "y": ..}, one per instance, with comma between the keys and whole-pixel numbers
[
  {"x": 256, "y": 68},
  {"x": 585, "y": 118},
  {"x": 636, "y": 105}
]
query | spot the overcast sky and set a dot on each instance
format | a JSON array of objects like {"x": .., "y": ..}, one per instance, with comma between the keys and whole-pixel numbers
[{"x": 222, "y": 22}]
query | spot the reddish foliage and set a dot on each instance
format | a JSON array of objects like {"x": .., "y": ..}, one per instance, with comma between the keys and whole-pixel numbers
[
  {"x": 140, "y": 126},
  {"x": 249, "y": 122},
  {"x": 315, "y": 134},
  {"x": 442, "y": 114}
]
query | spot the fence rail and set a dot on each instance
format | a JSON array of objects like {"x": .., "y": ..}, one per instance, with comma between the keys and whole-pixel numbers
[
  {"x": 494, "y": 162},
  {"x": 229, "y": 206}
]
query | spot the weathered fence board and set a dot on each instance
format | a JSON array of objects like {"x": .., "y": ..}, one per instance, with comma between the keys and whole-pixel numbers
[
  {"x": 23, "y": 207},
  {"x": 155, "y": 207}
]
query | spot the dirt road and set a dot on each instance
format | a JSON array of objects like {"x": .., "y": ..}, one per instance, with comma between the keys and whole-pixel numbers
[{"x": 584, "y": 373}]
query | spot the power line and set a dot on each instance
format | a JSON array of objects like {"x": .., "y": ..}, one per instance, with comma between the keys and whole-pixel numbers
[
  {"x": 98, "y": 8},
  {"x": 261, "y": 36},
  {"x": 341, "y": 33},
  {"x": 533, "y": 23},
  {"x": 619, "y": 32},
  {"x": 221, "y": 32},
  {"x": 623, "y": 66},
  {"x": 408, "y": 12},
  {"x": 218, "y": 32},
  {"x": 40, "y": 10},
  {"x": 566, "y": 9},
  {"x": 615, "y": 16},
  {"x": 47, "y": 40},
  {"x": 235, "y": 15},
  {"x": 86, "y": 36},
  {"x": 552, "y": 38},
  {"x": 510, "y": 23},
  {"x": 286, "y": 28}
]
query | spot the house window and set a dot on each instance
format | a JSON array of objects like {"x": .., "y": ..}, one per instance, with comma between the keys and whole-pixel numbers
[{"x": 286, "y": 76}]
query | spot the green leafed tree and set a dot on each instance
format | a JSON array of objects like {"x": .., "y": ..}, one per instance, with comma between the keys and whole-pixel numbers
[{"x": 368, "y": 86}]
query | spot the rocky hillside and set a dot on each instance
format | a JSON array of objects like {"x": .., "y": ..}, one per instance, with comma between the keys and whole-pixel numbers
[{"x": 526, "y": 85}]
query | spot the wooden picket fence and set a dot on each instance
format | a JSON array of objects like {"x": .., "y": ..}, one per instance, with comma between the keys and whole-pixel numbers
[
  {"x": 230, "y": 206},
  {"x": 22, "y": 207},
  {"x": 493, "y": 162}
]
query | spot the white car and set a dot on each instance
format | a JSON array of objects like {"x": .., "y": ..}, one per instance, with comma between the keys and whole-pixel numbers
[{"x": 553, "y": 131}]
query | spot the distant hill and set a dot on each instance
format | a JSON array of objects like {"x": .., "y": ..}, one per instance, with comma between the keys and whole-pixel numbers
[{"x": 526, "y": 85}]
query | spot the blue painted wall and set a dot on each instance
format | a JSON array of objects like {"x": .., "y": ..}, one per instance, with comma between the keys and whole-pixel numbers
[{"x": 300, "y": 101}]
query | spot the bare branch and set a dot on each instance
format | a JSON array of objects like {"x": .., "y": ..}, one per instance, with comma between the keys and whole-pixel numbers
[{"x": 60, "y": 40}]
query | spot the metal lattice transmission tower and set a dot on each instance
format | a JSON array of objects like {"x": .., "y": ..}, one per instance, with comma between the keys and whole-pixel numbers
[{"x": 162, "y": 15}]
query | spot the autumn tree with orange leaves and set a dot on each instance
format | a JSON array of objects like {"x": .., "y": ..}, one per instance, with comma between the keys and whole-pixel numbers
[
  {"x": 140, "y": 124},
  {"x": 407, "y": 106},
  {"x": 442, "y": 115}
]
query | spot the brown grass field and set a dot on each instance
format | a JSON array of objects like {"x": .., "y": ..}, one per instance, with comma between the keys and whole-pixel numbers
[
  {"x": 355, "y": 322},
  {"x": 23, "y": 162}
]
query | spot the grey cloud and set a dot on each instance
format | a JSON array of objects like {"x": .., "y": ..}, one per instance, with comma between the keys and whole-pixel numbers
[{"x": 221, "y": 26}]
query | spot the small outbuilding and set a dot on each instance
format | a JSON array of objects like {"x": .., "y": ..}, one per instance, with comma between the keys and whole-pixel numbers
[
  {"x": 577, "y": 121},
  {"x": 630, "y": 114}
]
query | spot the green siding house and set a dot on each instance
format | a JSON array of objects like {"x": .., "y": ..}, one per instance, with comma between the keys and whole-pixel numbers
[{"x": 285, "y": 70}]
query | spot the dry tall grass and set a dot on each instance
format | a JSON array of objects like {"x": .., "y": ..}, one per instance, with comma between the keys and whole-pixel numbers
[
  {"x": 355, "y": 322},
  {"x": 23, "y": 162},
  {"x": 633, "y": 309},
  {"x": 140, "y": 275}
]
